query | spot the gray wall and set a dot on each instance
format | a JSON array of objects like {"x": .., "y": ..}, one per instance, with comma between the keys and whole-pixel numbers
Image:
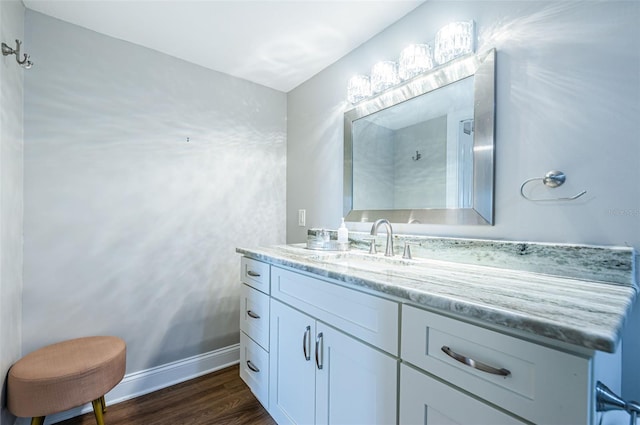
[
  {"x": 11, "y": 191},
  {"x": 130, "y": 229},
  {"x": 568, "y": 98}
]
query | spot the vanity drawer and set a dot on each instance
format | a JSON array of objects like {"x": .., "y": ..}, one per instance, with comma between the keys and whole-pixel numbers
[
  {"x": 543, "y": 385},
  {"x": 425, "y": 400},
  {"x": 255, "y": 274},
  {"x": 254, "y": 315},
  {"x": 254, "y": 368},
  {"x": 367, "y": 317}
]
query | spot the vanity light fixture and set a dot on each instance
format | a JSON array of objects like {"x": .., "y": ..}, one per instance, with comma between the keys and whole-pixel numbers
[
  {"x": 414, "y": 59},
  {"x": 453, "y": 40},
  {"x": 359, "y": 88},
  {"x": 384, "y": 74}
]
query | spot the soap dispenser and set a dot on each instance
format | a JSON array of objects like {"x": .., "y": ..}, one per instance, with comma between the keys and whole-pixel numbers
[{"x": 343, "y": 233}]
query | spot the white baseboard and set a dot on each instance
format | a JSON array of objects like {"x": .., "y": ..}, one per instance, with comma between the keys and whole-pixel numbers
[{"x": 145, "y": 381}]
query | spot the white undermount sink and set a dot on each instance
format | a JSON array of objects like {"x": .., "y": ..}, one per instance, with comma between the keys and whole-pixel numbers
[{"x": 368, "y": 262}]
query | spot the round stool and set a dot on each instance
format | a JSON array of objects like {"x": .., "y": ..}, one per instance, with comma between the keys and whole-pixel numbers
[{"x": 68, "y": 374}]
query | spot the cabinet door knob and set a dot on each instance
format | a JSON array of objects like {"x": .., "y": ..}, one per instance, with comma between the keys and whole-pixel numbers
[
  {"x": 252, "y": 314},
  {"x": 252, "y": 366},
  {"x": 252, "y": 273},
  {"x": 306, "y": 342},
  {"x": 318, "y": 349},
  {"x": 475, "y": 364}
]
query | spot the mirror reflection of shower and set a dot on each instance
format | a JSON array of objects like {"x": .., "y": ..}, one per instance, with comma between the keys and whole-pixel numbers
[{"x": 408, "y": 156}]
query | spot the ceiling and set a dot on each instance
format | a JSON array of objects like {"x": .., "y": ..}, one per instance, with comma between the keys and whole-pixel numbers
[{"x": 276, "y": 43}]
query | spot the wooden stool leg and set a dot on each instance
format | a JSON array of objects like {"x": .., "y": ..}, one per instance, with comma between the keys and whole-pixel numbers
[
  {"x": 97, "y": 410},
  {"x": 104, "y": 404},
  {"x": 39, "y": 420}
]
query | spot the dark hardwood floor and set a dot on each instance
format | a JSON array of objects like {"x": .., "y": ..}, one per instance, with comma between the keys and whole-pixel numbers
[{"x": 217, "y": 398}]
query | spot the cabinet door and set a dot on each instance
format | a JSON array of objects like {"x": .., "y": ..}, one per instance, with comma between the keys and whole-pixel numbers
[
  {"x": 254, "y": 315},
  {"x": 292, "y": 366},
  {"x": 355, "y": 383},
  {"x": 254, "y": 368},
  {"x": 426, "y": 401},
  {"x": 256, "y": 274}
]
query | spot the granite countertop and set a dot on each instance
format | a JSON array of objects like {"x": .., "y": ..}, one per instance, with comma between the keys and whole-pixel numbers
[{"x": 587, "y": 312}]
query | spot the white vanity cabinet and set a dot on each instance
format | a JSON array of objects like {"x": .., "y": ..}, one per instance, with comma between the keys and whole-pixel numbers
[
  {"x": 315, "y": 351},
  {"x": 319, "y": 375},
  {"x": 254, "y": 327}
]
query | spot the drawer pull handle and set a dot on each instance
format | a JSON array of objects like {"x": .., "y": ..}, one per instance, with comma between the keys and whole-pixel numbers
[
  {"x": 252, "y": 366},
  {"x": 252, "y": 273},
  {"x": 252, "y": 314},
  {"x": 318, "y": 349},
  {"x": 475, "y": 364},
  {"x": 306, "y": 342}
]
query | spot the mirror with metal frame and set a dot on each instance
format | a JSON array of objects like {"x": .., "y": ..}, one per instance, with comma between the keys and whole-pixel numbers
[{"x": 423, "y": 152}]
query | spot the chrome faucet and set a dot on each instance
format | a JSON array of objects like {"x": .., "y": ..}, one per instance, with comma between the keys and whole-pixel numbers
[{"x": 388, "y": 252}]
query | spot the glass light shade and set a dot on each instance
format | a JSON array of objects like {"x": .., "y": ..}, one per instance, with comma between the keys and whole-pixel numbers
[
  {"x": 359, "y": 88},
  {"x": 414, "y": 59},
  {"x": 453, "y": 40},
  {"x": 384, "y": 75}
]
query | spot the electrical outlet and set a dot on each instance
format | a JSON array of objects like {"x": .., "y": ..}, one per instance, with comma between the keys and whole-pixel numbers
[{"x": 302, "y": 218}]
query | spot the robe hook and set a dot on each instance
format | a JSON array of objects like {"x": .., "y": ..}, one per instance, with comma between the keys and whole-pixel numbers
[
  {"x": 551, "y": 179},
  {"x": 25, "y": 62}
]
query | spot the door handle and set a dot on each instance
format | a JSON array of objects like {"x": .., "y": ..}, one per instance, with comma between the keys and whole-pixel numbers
[
  {"x": 318, "y": 349},
  {"x": 306, "y": 342},
  {"x": 252, "y": 314},
  {"x": 252, "y": 366},
  {"x": 252, "y": 273}
]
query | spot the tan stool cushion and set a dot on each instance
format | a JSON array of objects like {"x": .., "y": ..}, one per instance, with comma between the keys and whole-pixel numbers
[{"x": 68, "y": 374}]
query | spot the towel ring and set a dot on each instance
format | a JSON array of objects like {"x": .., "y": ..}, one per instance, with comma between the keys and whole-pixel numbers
[{"x": 551, "y": 179}]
